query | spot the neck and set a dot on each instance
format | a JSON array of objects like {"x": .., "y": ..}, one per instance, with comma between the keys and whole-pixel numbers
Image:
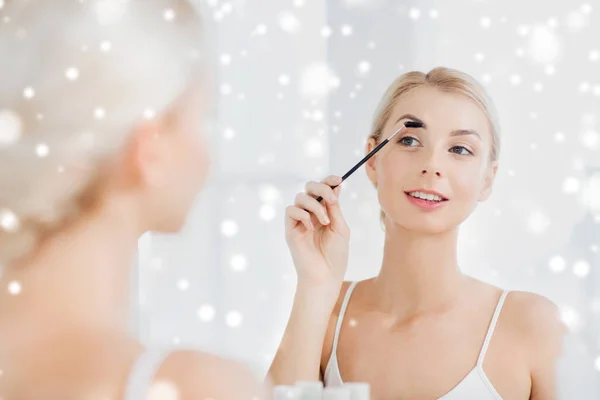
[
  {"x": 79, "y": 277},
  {"x": 419, "y": 272}
]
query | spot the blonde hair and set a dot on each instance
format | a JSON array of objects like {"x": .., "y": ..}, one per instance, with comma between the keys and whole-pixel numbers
[
  {"x": 446, "y": 80},
  {"x": 76, "y": 76}
]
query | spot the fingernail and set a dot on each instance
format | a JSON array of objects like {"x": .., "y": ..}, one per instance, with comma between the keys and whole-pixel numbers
[{"x": 326, "y": 220}]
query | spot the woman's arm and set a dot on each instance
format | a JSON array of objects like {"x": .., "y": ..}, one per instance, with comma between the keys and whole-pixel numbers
[{"x": 299, "y": 354}]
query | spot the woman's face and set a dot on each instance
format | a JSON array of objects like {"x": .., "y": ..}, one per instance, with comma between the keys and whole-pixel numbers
[{"x": 448, "y": 157}]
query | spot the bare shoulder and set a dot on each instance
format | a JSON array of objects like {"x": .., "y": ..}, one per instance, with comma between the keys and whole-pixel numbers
[
  {"x": 536, "y": 320},
  {"x": 532, "y": 313},
  {"x": 198, "y": 375}
]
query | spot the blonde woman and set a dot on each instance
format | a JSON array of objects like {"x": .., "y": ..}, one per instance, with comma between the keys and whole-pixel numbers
[
  {"x": 420, "y": 329},
  {"x": 101, "y": 139}
]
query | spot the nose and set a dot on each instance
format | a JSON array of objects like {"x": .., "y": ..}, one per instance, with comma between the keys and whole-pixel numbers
[
  {"x": 432, "y": 163},
  {"x": 437, "y": 173}
]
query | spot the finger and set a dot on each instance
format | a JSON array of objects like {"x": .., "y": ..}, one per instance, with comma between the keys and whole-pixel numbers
[
  {"x": 320, "y": 189},
  {"x": 295, "y": 215},
  {"x": 334, "y": 210},
  {"x": 310, "y": 204},
  {"x": 332, "y": 180}
]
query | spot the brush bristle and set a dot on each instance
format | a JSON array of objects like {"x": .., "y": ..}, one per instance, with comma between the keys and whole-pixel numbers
[{"x": 413, "y": 124}]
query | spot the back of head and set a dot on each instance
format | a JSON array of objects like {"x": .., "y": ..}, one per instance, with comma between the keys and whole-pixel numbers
[{"x": 76, "y": 76}]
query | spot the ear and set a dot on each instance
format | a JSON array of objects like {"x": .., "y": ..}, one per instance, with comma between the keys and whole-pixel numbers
[
  {"x": 145, "y": 156},
  {"x": 490, "y": 177},
  {"x": 371, "y": 164}
]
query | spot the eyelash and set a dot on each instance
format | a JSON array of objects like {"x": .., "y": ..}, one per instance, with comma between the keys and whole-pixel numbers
[{"x": 402, "y": 142}]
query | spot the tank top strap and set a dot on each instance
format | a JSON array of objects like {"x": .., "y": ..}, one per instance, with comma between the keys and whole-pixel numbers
[
  {"x": 491, "y": 328},
  {"x": 143, "y": 372},
  {"x": 340, "y": 319}
]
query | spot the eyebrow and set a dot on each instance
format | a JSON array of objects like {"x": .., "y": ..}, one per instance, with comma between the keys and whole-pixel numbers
[{"x": 456, "y": 132}]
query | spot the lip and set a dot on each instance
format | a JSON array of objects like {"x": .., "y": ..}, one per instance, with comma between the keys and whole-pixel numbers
[
  {"x": 426, "y": 192},
  {"x": 425, "y": 204}
]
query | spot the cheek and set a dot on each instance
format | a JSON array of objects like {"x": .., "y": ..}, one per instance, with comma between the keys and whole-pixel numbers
[{"x": 466, "y": 181}]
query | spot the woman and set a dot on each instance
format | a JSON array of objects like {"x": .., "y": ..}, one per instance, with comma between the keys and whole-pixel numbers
[
  {"x": 420, "y": 329},
  {"x": 101, "y": 105}
]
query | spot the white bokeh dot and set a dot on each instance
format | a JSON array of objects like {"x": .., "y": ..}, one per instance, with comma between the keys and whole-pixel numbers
[
  {"x": 149, "y": 113},
  {"x": 515, "y": 79},
  {"x": 163, "y": 390},
  {"x": 105, "y": 46},
  {"x": 434, "y": 14},
  {"x": 42, "y": 150},
  {"x": 261, "y": 29},
  {"x": 28, "y": 92},
  {"x": 225, "y": 59},
  {"x": 584, "y": 87},
  {"x": 314, "y": 148},
  {"x": 72, "y": 73},
  {"x": 326, "y": 31},
  {"x": 267, "y": 212},
  {"x": 169, "y": 14},
  {"x": 544, "y": 45},
  {"x": 479, "y": 57},
  {"x": 11, "y": 128},
  {"x": 269, "y": 193},
  {"x": 317, "y": 80},
  {"x": 485, "y": 22},
  {"x": 576, "y": 21},
  {"x": 288, "y": 22},
  {"x": 363, "y": 68},
  {"x": 233, "y": 319},
  {"x": 9, "y": 221},
  {"x": 590, "y": 139},
  {"x": 571, "y": 318},
  {"x": 414, "y": 13},
  {"x": 15, "y": 288},
  {"x": 183, "y": 285},
  {"x": 99, "y": 113},
  {"x": 571, "y": 185},
  {"x": 557, "y": 264},
  {"x": 538, "y": 222},
  {"x": 594, "y": 55},
  {"x": 523, "y": 30},
  {"x": 586, "y": 8},
  {"x": 238, "y": 263},
  {"x": 228, "y": 133},
  {"x": 346, "y": 30},
  {"x": 206, "y": 313},
  {"x": 284, "y": 80},
  {"x": 581, "y": 268},
  {"x": 229, "y": 228},
  {"x": 559, "y": 137}
]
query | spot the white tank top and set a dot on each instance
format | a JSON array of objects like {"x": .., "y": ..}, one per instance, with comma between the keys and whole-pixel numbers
[
  {"x": 474, "y": 386},
  {"x": 142, "y": 374}
]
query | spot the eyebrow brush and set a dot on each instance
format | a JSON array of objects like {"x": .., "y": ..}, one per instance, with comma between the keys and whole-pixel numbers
[{"x": 407, "y": 124}]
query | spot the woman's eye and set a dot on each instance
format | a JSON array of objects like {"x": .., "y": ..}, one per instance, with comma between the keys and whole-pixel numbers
[
  {"x": 460, "y": 150},
  {"x": 409, "y": 141}
]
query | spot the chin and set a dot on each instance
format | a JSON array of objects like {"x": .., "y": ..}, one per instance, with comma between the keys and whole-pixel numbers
[{"x": 425, "y": 224}]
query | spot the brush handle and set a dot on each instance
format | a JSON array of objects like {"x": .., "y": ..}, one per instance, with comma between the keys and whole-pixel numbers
[{"x": 360, "y": 163}]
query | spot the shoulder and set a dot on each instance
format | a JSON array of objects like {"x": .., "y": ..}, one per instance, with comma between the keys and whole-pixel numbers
[
  {"x": 537, "y": 322},
  {"x": 198, "y": 375}
]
